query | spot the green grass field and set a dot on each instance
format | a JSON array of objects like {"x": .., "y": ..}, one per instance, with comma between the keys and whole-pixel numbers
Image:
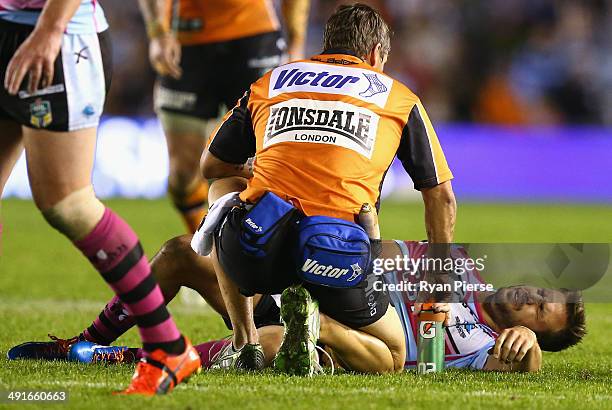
[{"x": 47, "y": 287}]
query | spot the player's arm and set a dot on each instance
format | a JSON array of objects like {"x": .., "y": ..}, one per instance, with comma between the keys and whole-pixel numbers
[
  {"x": 214, "y": 167},
  {"x": 232, "y": 146},
  {"x": 295, "y": 14},
  {"x": 164, "y": 48},
  {"x": 421, "y": 154},
  {"x": 516, "y": 350},
  {"x": 36, "y": 55}
]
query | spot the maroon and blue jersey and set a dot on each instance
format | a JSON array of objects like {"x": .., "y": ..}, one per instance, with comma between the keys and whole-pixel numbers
[{"x": 468, "y": 338}]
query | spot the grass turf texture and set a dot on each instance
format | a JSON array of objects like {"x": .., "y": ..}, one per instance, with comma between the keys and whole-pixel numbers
[{"x": 46, "y": 286}]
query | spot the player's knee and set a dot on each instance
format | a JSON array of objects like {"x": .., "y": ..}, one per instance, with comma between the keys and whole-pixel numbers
[
  {"x": 186, "y": 137},
  {"x": 76, "y": 214},
  {"x": 177, "y": 248},
  {"x": 170, "y": 263},
  {"x": 175, "y": 124},
  {"x": 178, "y": 251},
  {"x": 397, "y": 347}
]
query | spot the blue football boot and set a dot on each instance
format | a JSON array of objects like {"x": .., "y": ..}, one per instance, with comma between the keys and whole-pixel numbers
[
  {"x": 55, "y": 350},
  {"x": 88, "y": 352}
]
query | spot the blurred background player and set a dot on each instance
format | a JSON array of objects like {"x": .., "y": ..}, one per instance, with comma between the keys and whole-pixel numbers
[
  {"x": 54, "y": 64},
  {"x": 207, "y": 53}
]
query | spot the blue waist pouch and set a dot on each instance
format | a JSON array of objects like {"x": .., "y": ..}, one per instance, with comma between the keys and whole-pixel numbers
[
  {"x": 265, "y": 224},
  {"x": 332, "y": 252}
]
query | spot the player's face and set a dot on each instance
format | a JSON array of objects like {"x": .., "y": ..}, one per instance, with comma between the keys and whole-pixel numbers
[{"x": 539, "y": 309}]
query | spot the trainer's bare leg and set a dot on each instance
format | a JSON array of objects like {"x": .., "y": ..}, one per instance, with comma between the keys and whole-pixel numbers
[
  {"x": 239, "y": 307},
  {"x": 377, "y": 348}
]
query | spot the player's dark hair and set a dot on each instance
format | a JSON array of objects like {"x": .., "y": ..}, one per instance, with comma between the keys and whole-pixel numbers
[
  {"x": 574, "y": 330},
  {"x": 358, "y": 28}
]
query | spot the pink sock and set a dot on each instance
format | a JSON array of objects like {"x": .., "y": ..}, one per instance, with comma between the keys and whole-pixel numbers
[
  {"x": 114, "y": 250},
  {"x": 112, "y": 322}
]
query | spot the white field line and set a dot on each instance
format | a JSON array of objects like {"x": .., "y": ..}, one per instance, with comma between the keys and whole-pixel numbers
[{"x": 61, "y": 306}]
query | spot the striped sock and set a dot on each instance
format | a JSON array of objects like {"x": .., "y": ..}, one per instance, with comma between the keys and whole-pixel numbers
[
  {"x": 192, "y": 206},
  {"x": 114, "y": 250},
  {"x": 112, "y": 322}
]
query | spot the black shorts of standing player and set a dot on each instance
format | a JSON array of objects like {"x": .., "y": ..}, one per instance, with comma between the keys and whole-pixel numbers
[
  {"x": 217, "y": 74},
  {"x": 75, "y": 98},
  {"x": 355, "y": 307}
]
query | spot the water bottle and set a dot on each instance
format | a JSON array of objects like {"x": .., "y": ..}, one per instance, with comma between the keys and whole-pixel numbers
[{"x": 430, "y": 340}]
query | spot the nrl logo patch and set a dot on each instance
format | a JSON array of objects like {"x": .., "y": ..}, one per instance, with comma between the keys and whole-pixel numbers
[{"x": 40, "y": 113}]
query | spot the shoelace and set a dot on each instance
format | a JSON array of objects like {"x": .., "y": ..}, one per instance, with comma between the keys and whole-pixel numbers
[
  {"x": 111, "y": 357},
  {"x": 319, "y": 368},
  {"x": 61, "y": 346}
]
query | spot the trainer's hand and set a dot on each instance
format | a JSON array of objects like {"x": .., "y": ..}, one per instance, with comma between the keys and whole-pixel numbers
[
  {"x": 437, "y": 308},
  {"x": 35, "y": 57},
  {"x": 513, "y": 344},
  {"x": 165, "y": 55}
]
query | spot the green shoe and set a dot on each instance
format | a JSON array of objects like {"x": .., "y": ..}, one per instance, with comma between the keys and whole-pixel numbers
[
  {"x": 298, "y": 352},
  {"x": 248, "y": 357}
]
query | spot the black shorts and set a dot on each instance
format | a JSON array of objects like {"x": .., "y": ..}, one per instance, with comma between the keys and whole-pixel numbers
[
  {"x": 75, "y": 98},
  {"x": 266, "y": 313},
  {"x": 218, "y": 74},
  {"x": 355, "y": 307}
]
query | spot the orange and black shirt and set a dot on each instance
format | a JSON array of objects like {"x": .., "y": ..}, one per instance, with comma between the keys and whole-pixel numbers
[
  {"x": 324, "y": 133},
  {"x": 211, "y": 21}
]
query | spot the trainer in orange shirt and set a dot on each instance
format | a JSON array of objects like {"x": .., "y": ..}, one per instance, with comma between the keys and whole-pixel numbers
[{"x": 324, "y": 131}]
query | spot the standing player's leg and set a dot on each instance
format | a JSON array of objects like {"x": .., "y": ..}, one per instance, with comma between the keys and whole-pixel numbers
[
  {"x": 59, "y": 169},
  {"x": 188, "y": 108},
  {"x": 11, "y": 146},
  {"x": 186, "y": 137}
]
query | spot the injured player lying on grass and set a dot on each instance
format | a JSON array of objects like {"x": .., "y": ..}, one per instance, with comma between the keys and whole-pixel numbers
[{"x": 501, "y": 330}]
